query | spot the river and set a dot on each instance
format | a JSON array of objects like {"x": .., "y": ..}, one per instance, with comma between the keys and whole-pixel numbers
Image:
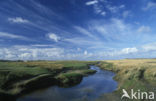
[{"x": 90, "y": 88}]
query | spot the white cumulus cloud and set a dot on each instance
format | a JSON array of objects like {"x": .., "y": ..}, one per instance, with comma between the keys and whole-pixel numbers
[
  {"x": 85, "y": 52},
  {"x": 54, "y": 37},
  {"x": 91, "y": 2},
  {"x": 129, "y": 50},
  {"x": 30, "y": 53}
]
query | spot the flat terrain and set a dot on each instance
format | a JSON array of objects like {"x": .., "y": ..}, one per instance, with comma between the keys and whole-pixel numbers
[
  {"x": 131, "y": 74},
  {"x": 18, "y": 77}
]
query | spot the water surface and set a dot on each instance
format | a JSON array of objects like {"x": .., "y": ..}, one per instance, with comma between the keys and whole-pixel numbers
[{"x": 90, "y": 88}]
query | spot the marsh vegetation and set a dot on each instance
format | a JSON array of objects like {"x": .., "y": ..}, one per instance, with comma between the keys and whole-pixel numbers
[
  {"x": 137, "y": 74},
  {"x": 19, "y": 77}
]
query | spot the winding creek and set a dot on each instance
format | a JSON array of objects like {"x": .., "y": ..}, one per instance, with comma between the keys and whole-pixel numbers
[{"x": 90, "y": 88}]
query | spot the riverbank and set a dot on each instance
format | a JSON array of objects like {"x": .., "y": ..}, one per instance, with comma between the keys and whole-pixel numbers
[
  {"x": 137, "y": 74},
  {"x": 89, "y": 89},
  {"x": 18, "y": 77}
]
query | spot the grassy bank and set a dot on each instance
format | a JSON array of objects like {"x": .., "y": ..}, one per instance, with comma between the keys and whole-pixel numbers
[
  {"x": 131, "y": 74},
  {"x": 18, "y": 77}
]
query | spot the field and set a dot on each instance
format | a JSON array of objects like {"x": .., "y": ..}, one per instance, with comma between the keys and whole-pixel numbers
[
  {"x": 131, "y": 74},
  {"x": 18, "y": 77}
]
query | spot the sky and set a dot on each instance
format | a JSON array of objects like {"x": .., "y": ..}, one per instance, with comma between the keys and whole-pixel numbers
[{"x": 77, "y": 29}]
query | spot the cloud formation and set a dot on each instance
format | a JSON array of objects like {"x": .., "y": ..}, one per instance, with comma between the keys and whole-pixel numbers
[
  {"x": 92, "y": 29},
  {"x": 101, "y": 6},
  {"x": 92, "y": 2},
  {"x": 84, "y": 31},
  {"x": 28, "y": 53},
  {"x": 150, "y": 5},
  {"x": 149, "y": 47},
  {"x": 12, "y": 36},
  {"x": 18, "y": 20},
  {"x": 128, "y": 50},
  {"x": 34, "y": 53},
  {"x": 115, "y": 9},
  {"x": 54, "y": 37},
  {"x": 143, "y": 29}
]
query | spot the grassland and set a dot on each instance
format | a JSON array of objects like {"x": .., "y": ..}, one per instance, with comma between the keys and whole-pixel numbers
[
  {"x": 18, "y": 77},
  {"x": 131, "y": 74}
]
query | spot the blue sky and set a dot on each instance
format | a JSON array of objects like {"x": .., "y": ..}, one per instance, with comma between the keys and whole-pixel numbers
[{"x": 77, "y": 29}]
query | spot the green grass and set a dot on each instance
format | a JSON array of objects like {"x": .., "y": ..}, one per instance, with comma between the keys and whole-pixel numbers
[
  {"x": 137, "y": 74},
  {"x": 68, "y": 79},
  {"x": 131, "y": 74},
  {"x": 75, "y": 64},
  {"x": 16, "y": 75}
]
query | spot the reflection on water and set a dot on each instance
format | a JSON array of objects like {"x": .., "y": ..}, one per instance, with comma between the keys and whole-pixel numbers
[{"x": 89, "y": 89}]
